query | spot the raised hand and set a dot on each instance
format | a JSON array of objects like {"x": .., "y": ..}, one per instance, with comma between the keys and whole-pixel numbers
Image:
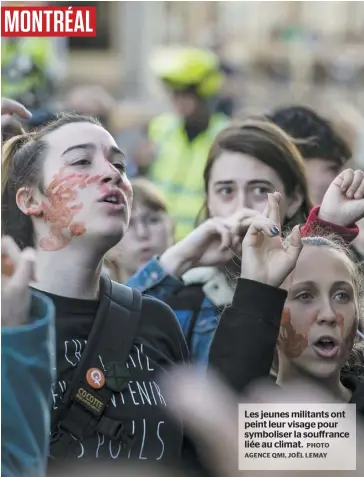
[
  {"x": 343, "y": 203},
  {"x": 9, "y": 106},
  {"x": 17, "y": 271},
  {"x": 264, "y": 258},
  {"x": 214, "y": 242}
]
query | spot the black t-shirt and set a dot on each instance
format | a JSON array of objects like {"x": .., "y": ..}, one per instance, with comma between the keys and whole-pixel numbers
[{"x": 141, "y": 407}]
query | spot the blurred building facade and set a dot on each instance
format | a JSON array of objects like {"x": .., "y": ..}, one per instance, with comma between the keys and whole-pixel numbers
[{"x": 301, "y": 50}]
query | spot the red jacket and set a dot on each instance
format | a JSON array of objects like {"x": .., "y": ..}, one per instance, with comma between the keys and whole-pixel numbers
[{"x": 316, "y": 226}]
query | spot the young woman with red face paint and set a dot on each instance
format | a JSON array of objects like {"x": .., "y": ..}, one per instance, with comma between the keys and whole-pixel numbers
[
  {"x": 65, "y": 193},
  {"x": 308, "y": 292}
]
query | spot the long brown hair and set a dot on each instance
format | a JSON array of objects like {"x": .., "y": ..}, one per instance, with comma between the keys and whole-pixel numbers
[{"x": 268, "y": 143}]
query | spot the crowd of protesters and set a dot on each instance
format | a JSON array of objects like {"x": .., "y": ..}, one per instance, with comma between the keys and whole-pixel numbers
[{"x": 236, "y": 246}]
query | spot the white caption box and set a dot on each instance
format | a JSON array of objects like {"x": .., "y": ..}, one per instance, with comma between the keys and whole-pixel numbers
[{"x": 307, "y": 436}]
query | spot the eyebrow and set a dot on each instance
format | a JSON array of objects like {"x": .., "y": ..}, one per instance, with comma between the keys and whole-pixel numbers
[
  {"x": 253, "y": 182},
  {"x": 90, "y": 146},
  {"x": 224, "y": 182},
  {"x": 313, "y": 284}
]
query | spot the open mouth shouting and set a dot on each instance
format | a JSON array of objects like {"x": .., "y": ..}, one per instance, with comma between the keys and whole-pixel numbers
[
  {"x": 326, "y": 346},
  {"x": 114, "y": 199}
]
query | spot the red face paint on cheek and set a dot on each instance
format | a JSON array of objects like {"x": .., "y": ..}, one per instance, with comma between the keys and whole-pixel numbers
[
  {"x": 291, "y": 343},
  {"x": 348, "y": 341},
  {"x": 340, "y": 322},
  {"x": 92, "y": 180},
  {"x": 286, "y": 316},
  {"x": 58, "y": 211},
  {"x": 77, "y": 228}
]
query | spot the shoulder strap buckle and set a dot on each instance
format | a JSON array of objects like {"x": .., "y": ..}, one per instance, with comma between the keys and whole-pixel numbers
[{"x": 114, "y": 430}]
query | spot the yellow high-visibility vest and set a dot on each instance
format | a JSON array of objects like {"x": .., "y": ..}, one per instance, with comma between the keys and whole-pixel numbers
[{"x": 178, "y": 167}]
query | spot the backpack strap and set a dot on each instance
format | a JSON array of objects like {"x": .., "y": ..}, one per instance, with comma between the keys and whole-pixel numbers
[
  {"x": 189, "y": 298},
  {"x": 101, "y": 370}
]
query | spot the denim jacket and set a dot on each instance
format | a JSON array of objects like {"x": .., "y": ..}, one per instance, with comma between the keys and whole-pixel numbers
[{"x": 217, "y": 293}]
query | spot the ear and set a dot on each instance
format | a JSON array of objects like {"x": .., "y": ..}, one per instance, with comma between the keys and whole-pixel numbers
[
  {"x": 294, "y": 202},
  {"x": 28, "y": 202}
]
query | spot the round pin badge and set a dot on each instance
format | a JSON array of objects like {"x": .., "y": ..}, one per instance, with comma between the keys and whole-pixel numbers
[{"x": 95, "y": 378}]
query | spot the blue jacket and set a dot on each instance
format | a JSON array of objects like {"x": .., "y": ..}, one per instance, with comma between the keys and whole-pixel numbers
[
  {"x": 197, "y": 300},
  {"x": 27, "y": 370}
]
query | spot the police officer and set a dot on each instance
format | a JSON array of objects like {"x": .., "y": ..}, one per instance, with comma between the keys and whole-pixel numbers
[{"x": 178, "y": 143}]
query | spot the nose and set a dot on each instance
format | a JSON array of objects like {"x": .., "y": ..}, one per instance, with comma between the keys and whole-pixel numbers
[
  {"x": 111, "y": 175},
  {"x": 141, "y": 230},
  {"x": 243, "y": 200},
  {"x": 327, "y": 315}
]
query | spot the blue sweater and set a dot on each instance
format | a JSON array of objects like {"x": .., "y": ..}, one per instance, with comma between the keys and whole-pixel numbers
[{"x": 27, "y": 370}]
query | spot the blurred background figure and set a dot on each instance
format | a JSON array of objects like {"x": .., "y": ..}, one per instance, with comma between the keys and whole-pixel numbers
[
  {"x": 26, "y": 70},
  {"x": 176, "y": 152},
  {"x": 129, "y": 123},
  {"x": 228, "y": 100},
  {"x": 150, "y": 232},
  {"x": 90, "y": 100},
  {"x": 324, "y": 150},
  {"x": 351, "y": 126},
  {"x": 31, "y": 73}
]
